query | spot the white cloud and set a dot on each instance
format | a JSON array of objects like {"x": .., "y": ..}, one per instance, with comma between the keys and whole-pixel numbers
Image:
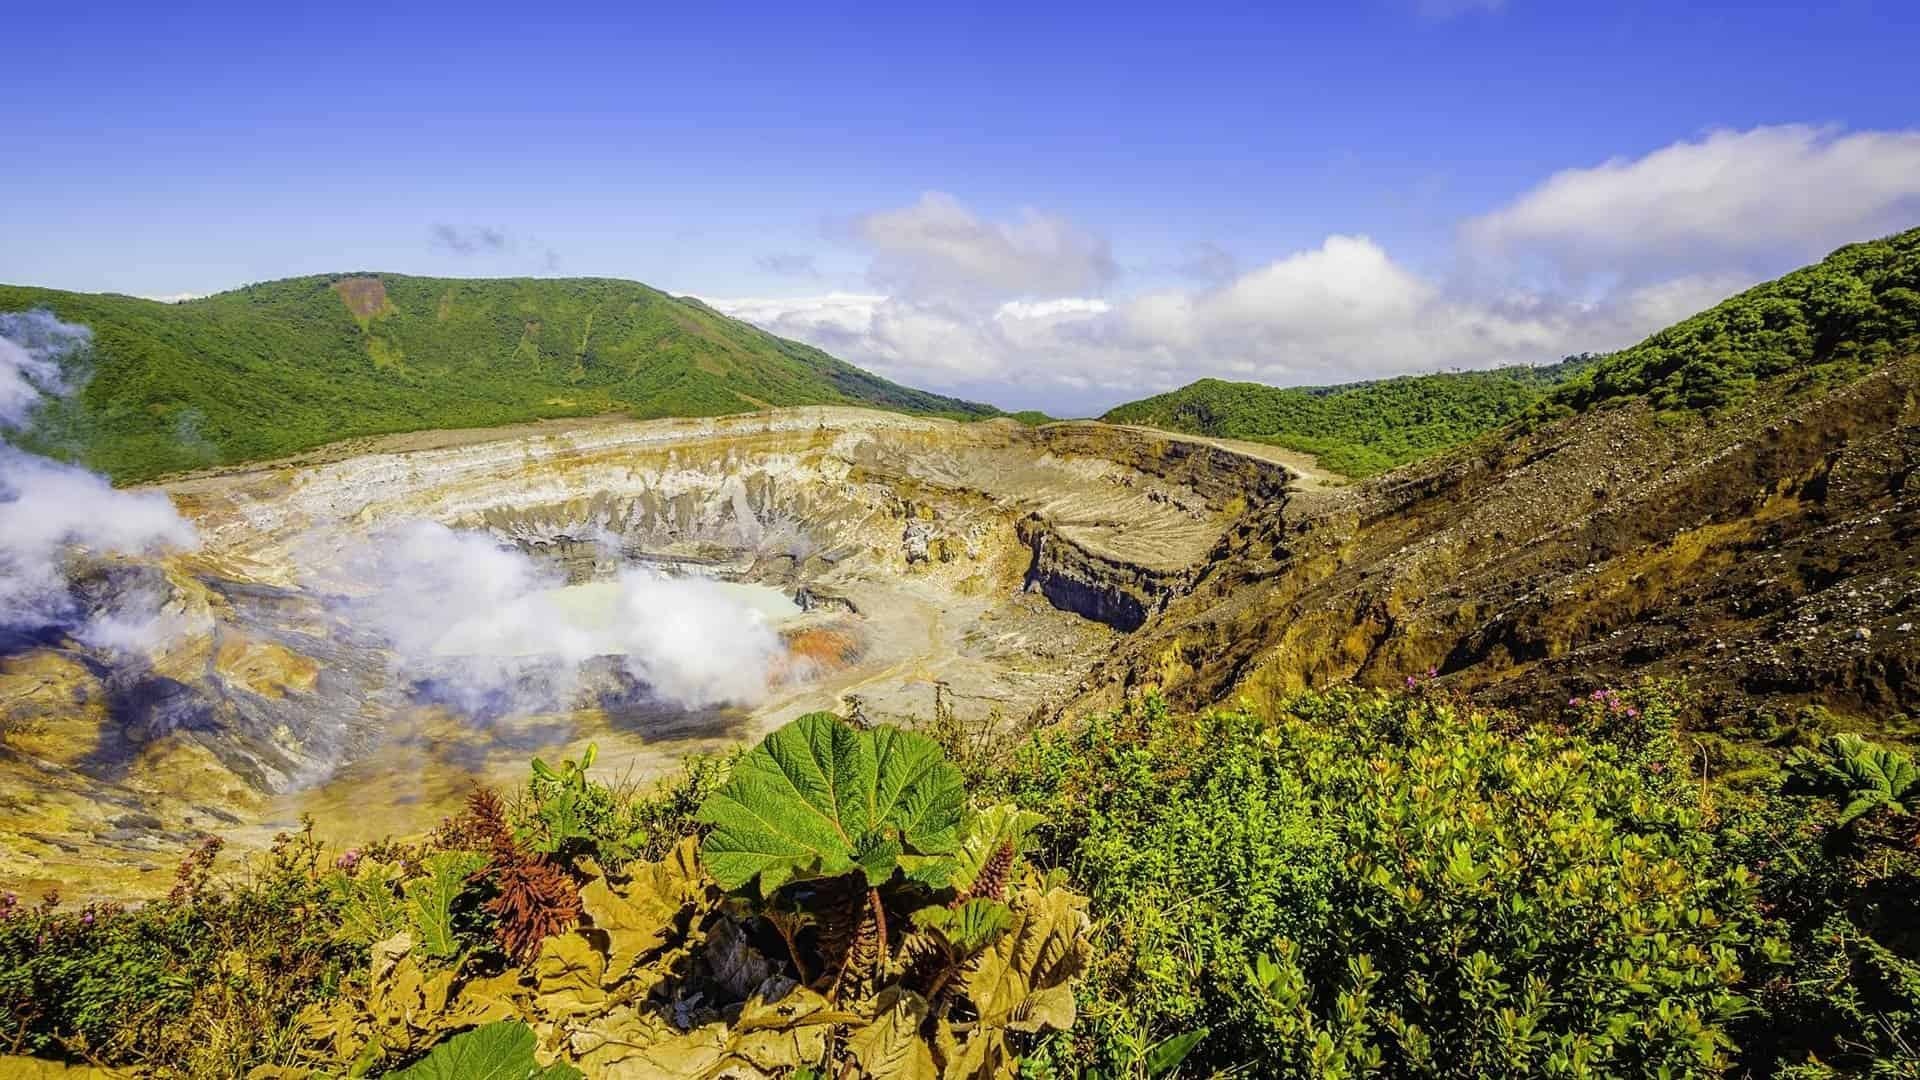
[
  {"x": 1770, "y": 194},
  {"x": 1016, "y": 311},
  {"x": 939, "y": 246},
  {"x": 1342, "y": 311}
]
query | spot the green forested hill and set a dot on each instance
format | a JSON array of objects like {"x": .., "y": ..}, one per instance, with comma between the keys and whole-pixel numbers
[
  {"x": 1360, "y": 428},
  {"x": 1818, "y": 325},
  {"x": 273, "y": 368}
]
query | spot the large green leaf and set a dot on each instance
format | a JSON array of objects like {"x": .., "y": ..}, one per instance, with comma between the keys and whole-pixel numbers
[
  {"x": 430, "y": 899},
  {"x": 818, "y": 799},
  {"x": 370, "y": 905},
  {"x": 498, "y": 1051},
  {"x": 1868, "y": 776}
]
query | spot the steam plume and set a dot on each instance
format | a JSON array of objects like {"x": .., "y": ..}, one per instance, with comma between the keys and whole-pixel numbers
[
  {"x": 487, "y": 624},
  {"x": 48, "y": 508}
]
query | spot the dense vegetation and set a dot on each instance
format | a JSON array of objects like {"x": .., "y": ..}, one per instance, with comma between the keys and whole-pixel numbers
[
  {"x": 1358, "y": 429},
  {"x": 1337, "y": 884},
  {"x": 1819, "y": 325},
  {"x": 1359, "y": 884},
  {"x": 283, "y": 366}
]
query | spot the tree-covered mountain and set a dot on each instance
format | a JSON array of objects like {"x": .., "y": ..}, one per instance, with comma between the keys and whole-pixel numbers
[
  {"x": 1358, "y": 428},
  {"x": 1818, "y": 326},
  {"x": 283, "y": 366}
]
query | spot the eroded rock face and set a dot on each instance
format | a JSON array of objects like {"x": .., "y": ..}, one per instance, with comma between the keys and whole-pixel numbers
[{"x": 994, "y": 559}]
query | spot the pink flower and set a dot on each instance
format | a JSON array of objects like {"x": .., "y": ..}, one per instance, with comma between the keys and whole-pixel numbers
[{"x": 348, "y": 859}]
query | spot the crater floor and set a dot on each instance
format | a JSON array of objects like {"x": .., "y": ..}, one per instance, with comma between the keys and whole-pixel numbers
[{"x": 996, "y": 561}]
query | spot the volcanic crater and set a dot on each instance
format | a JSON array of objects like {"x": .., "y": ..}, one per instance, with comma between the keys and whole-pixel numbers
[{"x": 894, "y": 557}]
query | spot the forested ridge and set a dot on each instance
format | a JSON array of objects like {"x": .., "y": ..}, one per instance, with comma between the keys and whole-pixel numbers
[{"x": 282, "y": 366}]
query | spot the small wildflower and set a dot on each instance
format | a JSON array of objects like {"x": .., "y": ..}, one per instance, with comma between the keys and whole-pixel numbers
[{"x": 348, "y": 859}]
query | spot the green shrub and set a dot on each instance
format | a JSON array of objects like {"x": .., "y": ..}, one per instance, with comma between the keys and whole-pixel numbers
[
  {"x": 203, "y": 982},
  {"x": 1840, "y": 870},
  {"x": 1819, "y": 325},
  {"x": 1361, "y": 883}
]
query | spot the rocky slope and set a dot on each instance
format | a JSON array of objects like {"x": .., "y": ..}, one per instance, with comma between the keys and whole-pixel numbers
[{"x": 1768, "y": 555}]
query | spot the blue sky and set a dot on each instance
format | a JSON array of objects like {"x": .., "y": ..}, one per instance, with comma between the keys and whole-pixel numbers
[{"x": 1061, "y": 208}]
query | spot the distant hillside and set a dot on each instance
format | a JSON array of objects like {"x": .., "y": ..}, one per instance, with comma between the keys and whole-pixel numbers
[
  {"x": 1821, "y": 324},
  {"x": 1360, "y": 428},
  {"x": 282, "y": 366},
  {"x": 1818, "y": 326}
]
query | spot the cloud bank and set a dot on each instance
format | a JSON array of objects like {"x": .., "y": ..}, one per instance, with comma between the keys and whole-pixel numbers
[
  {"x": 1590, "y": 259},
  {"x": 1790, "y": 193}
]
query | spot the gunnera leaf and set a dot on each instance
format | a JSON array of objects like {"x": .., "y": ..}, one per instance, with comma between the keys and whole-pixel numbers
[
  {"x": 817, "y": 799},
  {"x": 890, "y": 1047},
  {"x": 1021, "y": 981},
  {"x": 370, "y": 904},
  {"x": 430, "y": 899},
  {"x": 499, "y": 1051}
]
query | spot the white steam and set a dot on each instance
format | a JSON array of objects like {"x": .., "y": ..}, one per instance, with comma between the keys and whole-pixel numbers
[
  {"x": 485, "y": 627},
  {"x": 493, "y": 629},
  {"x": 48, "y": 509}
]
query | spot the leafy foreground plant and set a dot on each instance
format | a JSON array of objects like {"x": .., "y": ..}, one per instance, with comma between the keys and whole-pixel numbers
[
  {"x": 894, "y": 932},
  {"x": 1842, "y": 876},
  {"x": 1872, "y": 780},
  {"x": 499, "y": 1051},
  {"x": 847, "y": 912}
]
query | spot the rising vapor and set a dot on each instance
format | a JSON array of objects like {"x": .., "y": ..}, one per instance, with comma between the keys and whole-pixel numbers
[
  {"x": 486, "y": 626},
  {"x": 50, "y": 510}
]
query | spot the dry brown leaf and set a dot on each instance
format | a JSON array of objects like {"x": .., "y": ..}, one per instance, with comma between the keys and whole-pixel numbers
[
  {"x": 32, "y": 1068},
  {"x": 735, "y": 964},
  {"x": 890, "y": 1047},
  {"x": 567, "y": 975},
  {"x": 1021, "y": 980}
]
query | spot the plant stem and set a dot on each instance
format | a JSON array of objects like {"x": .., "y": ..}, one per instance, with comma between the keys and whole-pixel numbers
[{"x": 880, "y": 921}]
